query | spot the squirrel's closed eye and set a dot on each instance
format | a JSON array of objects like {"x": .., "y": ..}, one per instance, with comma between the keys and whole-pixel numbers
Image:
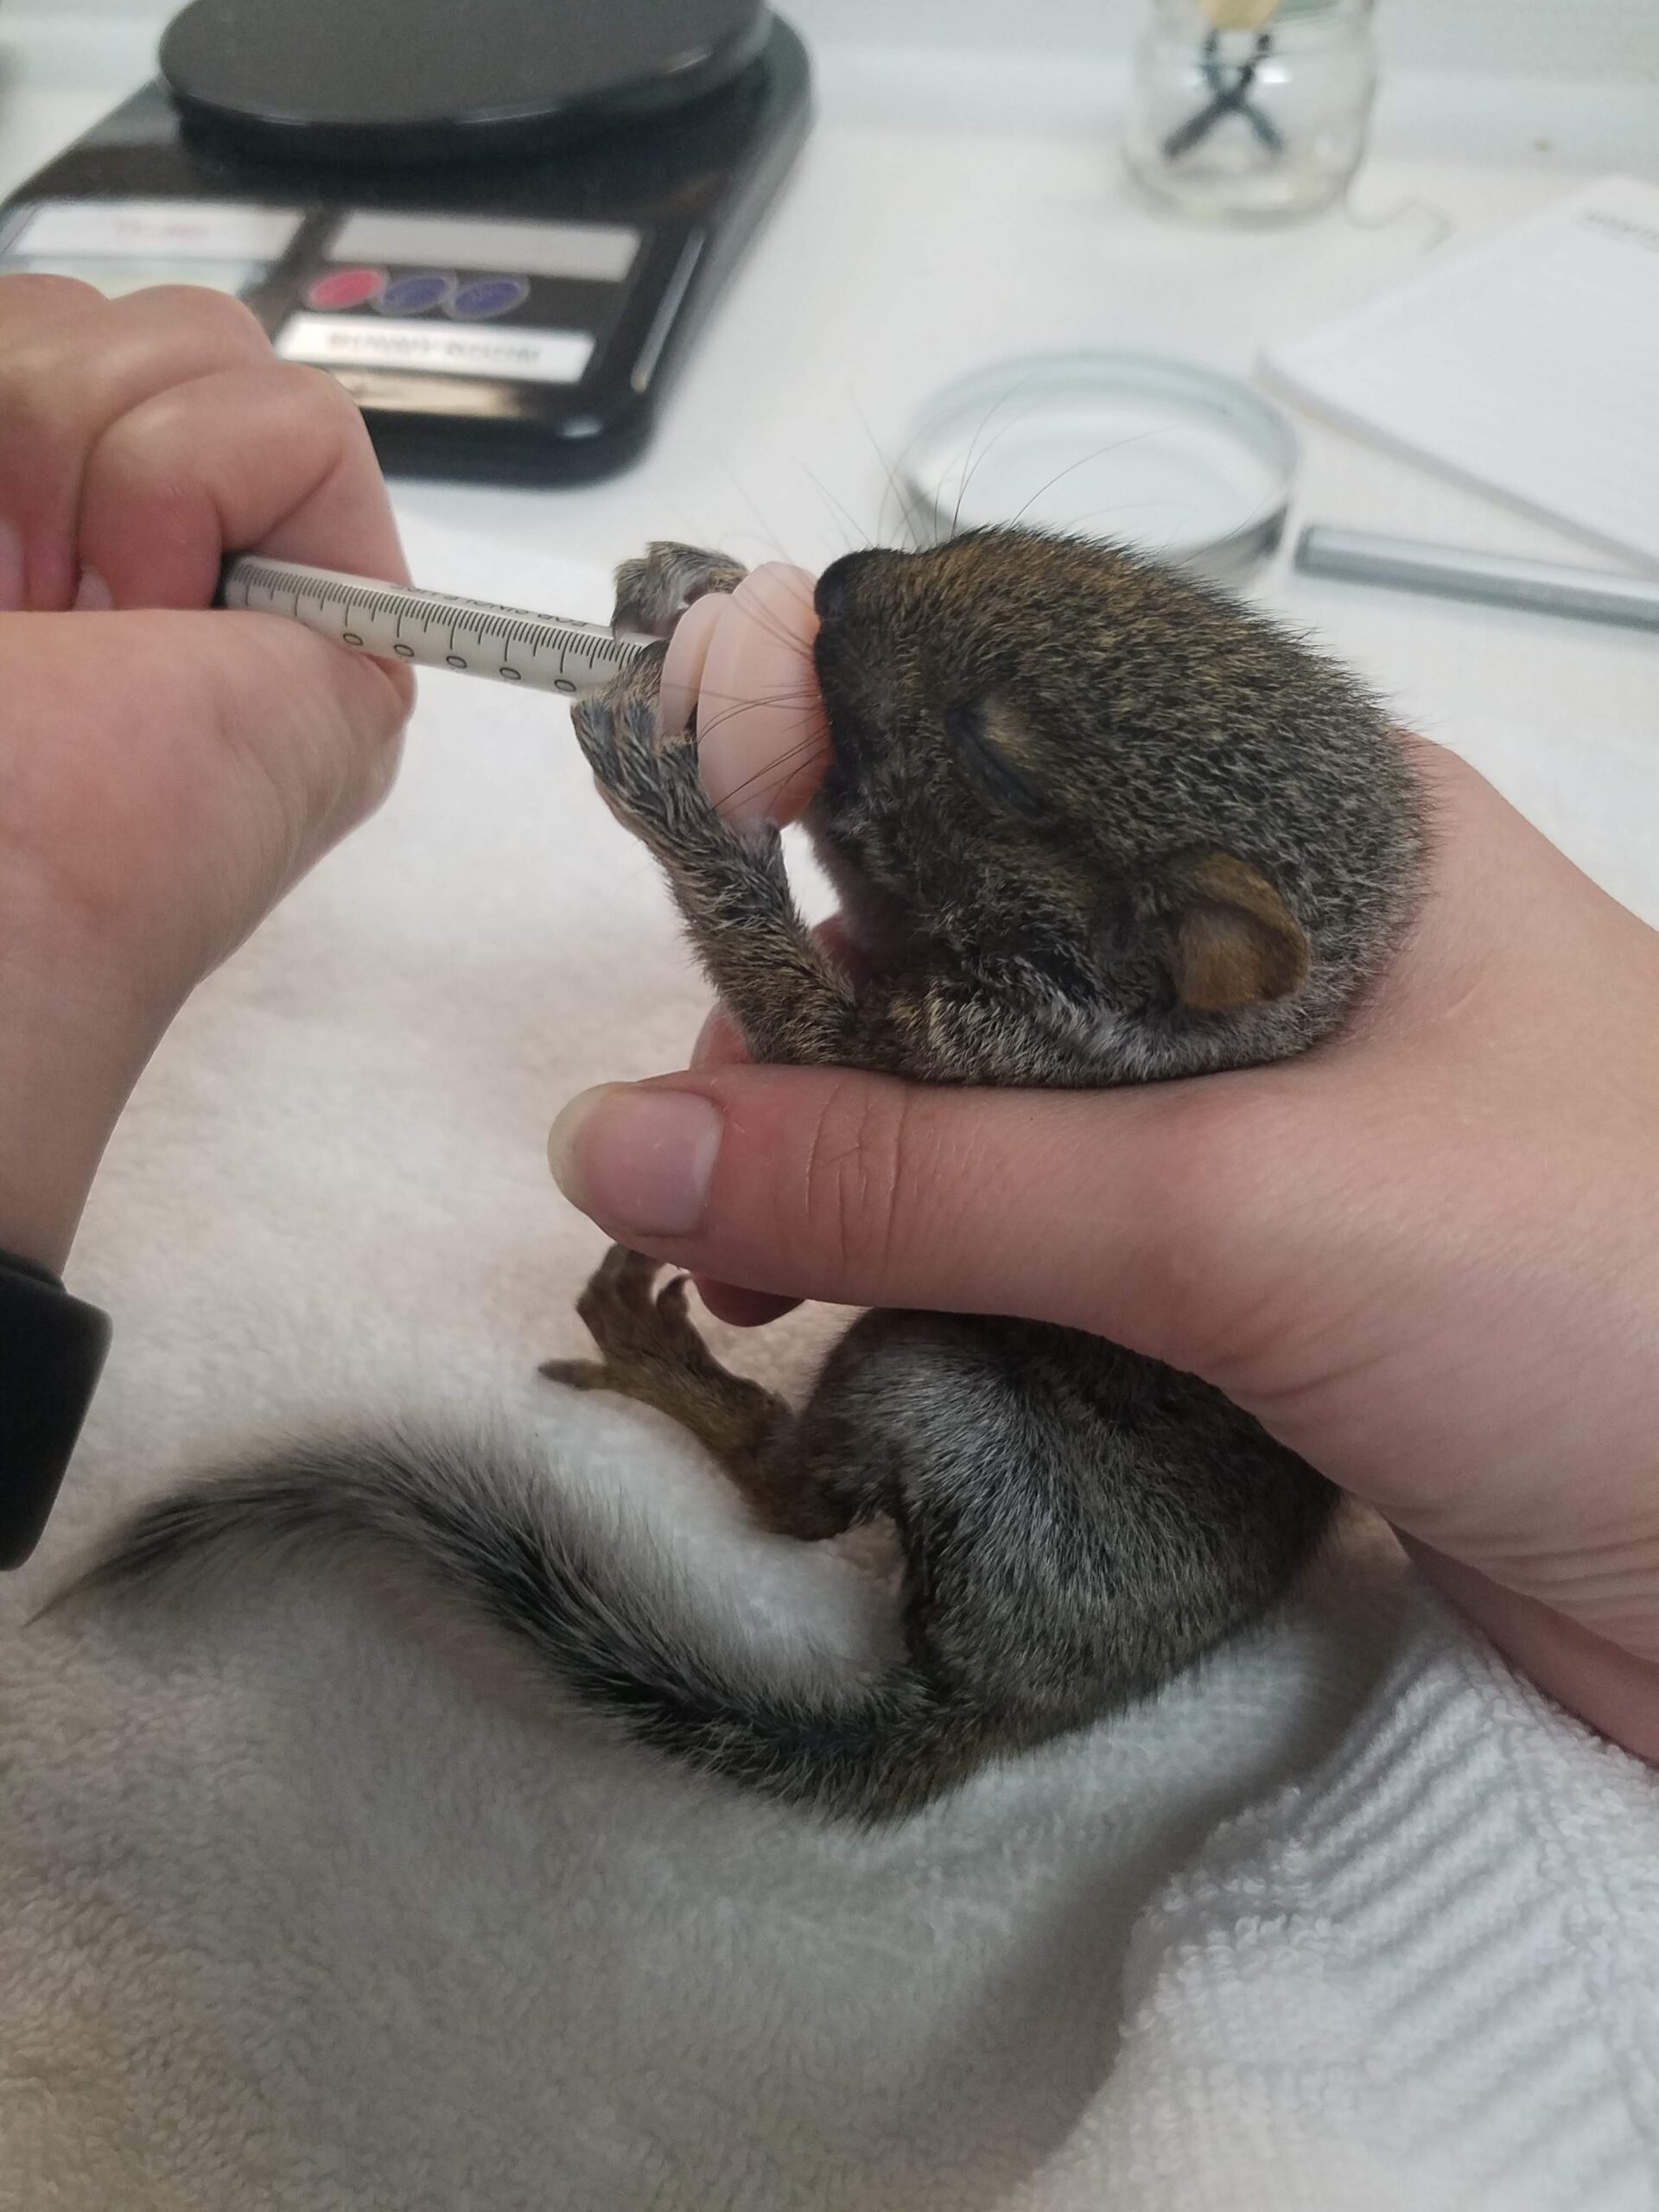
[{"x": 988, "y": 765}]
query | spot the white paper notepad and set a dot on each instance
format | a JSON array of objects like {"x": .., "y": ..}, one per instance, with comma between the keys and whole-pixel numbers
[{"x": 1530, "y": 367}]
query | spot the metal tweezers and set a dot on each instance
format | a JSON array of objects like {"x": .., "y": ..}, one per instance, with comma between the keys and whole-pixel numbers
[{"x": 1230, "y": 99}]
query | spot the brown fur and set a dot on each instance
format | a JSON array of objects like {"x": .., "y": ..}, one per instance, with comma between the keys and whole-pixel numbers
[{"x": 1090, "y": 824}]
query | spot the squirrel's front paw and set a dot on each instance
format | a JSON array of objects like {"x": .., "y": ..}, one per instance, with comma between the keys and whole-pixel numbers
[
  {"x": 653, "y": 592},
  {"x": 650, "y": 781}
]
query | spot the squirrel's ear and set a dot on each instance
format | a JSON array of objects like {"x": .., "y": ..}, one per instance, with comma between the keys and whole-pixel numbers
[{"x": 1233, "y": 942}]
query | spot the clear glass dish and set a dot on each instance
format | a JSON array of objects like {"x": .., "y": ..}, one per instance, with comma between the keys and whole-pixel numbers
[{"x": 1172, "y": 458}]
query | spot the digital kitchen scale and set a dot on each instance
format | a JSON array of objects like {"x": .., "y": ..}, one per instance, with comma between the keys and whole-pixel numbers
[{"x": 498, "y": 224}]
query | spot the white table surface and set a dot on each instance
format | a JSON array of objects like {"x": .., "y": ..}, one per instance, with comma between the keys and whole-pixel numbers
[{"x": 906, "y": 251}]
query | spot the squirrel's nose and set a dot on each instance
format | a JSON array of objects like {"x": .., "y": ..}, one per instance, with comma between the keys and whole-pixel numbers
[{"x": 830, "y": 596}]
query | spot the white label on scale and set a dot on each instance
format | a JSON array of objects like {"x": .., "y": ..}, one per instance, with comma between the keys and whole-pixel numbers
[
  {"x": 155, "y": 230},
  {"x": 333, "y": 341},
  {"x": 601, "y": 251}
]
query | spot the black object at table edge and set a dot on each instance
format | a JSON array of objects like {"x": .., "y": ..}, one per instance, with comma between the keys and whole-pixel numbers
[
  {"x": 697, "y": 183},
  {"x": 52, "y": 1352},
  {"x": 210, "y": 45}
]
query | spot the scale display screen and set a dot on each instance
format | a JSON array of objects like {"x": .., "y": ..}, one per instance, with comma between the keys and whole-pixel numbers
[{"x": 121, "y": 245}]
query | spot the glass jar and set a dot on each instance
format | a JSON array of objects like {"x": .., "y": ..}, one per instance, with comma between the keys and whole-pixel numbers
[{"x": 1245, "y": 112}]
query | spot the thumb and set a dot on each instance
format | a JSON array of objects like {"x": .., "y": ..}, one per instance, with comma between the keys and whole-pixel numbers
[{"x": 1115, "y": 1212}]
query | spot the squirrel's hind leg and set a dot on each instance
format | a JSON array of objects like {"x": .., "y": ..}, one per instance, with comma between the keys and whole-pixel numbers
[{"x": 650, "y": 1349}]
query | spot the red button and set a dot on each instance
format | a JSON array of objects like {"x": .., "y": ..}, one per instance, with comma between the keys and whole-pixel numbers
[{"x": 346, "y": 287}]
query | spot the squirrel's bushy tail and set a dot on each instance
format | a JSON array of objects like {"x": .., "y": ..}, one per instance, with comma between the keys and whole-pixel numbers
[{"x": 614, "y": 1629}]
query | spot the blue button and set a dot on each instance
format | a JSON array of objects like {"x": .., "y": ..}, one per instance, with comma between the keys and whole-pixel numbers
[
  {"x": 417, "y": 294},
  {"x": 488, "y": 295}
]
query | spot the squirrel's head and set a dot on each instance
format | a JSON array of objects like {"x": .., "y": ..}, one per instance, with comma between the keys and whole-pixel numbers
[{"x": 1049, "y": 751}]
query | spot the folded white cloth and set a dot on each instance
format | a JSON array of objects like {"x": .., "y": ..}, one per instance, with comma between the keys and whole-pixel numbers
[
  {"x": 1426, "y": 1975},
  {"x": 311, "y": 1900}
]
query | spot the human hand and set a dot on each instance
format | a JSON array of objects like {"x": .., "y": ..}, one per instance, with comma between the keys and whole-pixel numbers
[
  {"x": 166, "y": 773},
  {"x": 1425, "y": 1255}
]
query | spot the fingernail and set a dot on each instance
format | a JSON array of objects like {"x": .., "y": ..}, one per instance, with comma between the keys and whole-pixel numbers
[
  {"x": 11, "y": 567},
  {"x": 637, "y": 1160},
  {"x": 92, "y": 594}
]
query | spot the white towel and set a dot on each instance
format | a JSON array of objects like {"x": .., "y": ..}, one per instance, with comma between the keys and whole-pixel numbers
[{"x": 311, "y": 1900}]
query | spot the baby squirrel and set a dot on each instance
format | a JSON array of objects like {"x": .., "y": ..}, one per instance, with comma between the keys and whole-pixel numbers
[{"x": 1090, "y": 823}]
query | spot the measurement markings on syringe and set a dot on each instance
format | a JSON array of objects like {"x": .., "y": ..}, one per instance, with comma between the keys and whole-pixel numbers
[{"x": 513, "y": 645}]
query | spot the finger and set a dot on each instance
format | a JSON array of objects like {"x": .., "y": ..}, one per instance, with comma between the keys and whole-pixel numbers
[
  {"x": 30, "y": 300},
  {"x": 34, "y": 301},
  {"x": 69, "y": 372},
  {"x": 1134, "y": 1214},
  {"x": 243, "y": 746},
  {"x": 719, "y": 1046},
  {"x": 1609, "y": 1684},
  {"x": 326, "y": 724},
  {"x": 272, "y": 455}
]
